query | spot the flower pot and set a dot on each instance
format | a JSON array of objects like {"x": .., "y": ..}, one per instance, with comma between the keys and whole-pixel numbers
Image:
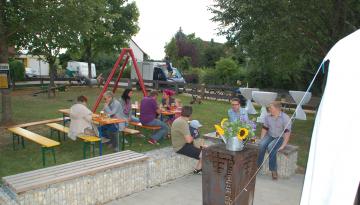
[{"x": 234, "y": 144}]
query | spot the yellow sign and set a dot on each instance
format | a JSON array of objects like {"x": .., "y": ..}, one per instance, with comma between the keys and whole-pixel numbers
[{"x": 4, "y": 81}]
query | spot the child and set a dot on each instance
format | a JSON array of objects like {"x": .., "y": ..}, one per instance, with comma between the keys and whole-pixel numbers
[{"x": 194, "y": 128}]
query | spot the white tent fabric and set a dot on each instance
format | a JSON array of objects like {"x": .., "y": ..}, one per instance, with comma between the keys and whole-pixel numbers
[{"x": 333, "y": 169}]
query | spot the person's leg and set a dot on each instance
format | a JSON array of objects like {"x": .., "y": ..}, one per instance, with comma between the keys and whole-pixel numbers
[
  {"x": 160, "y": 133},
  {"x": 274, "y": 147},
  {"x": 199, "y": 163},
  {"x": 262, "y": 149},
  {"x": 134, "y": 119}
]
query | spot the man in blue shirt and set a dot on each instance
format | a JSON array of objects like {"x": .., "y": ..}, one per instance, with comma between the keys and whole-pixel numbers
[{"x": 237, "y": 112}]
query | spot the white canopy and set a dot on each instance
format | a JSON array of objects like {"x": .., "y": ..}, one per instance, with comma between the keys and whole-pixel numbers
[{"x": 333, "y": 169}]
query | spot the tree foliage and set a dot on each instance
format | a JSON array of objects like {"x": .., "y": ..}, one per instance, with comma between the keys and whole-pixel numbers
[
  {"x": 284, "y": 41},
  {"x": 187, "y": 51},
  {"x": 111, "y": 27}
]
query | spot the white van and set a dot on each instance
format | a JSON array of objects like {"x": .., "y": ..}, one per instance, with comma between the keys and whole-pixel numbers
[{"x": 75, "y": 68}]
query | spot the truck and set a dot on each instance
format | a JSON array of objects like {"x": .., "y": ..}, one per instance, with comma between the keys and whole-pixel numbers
[
  {"x": 35, "y": 66},
  {"x": 156, "y": 70},
  {"x": 80, "y": 69}
]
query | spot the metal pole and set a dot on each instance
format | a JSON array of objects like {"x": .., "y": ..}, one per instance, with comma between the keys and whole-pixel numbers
[
  {"x": 141, "y": 82},
  {"x": 120, "y": 74},
  {"x": 109, "y": 80}
]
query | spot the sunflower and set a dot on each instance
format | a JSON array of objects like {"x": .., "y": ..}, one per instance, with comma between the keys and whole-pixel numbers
[
  {"x": 223, "y": 121},
  {"x": 219, "y": 130},
  {"x": 242, "y": 133}
]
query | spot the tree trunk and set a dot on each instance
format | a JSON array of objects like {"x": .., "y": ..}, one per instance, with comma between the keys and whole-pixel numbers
[
  {"x": 51, "y": 90},
  {"x": 88, "y": 56},
  {"x": 6, "y": 114}
]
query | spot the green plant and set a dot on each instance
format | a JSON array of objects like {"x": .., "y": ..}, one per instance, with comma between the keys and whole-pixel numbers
[
  {"x": 243, "y": 130},
  {"x": 17, "y": 70}
]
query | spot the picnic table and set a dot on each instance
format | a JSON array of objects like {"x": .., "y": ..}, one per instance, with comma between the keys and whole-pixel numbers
[{"x": 98, "y": 120}]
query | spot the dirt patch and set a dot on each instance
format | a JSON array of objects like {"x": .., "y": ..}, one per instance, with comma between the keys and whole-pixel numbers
[{"x": 24, "y": 91}]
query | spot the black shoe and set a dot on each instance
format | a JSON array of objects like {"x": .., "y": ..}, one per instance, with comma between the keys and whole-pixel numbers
[{"x": 197, "y": 171}]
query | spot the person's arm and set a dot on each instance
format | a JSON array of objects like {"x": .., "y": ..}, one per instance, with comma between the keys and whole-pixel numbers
[
  {"x": 263, "y": 132},
  {"x": 286, "y": 140},
  {"x": 287, "y": 125},
  {"x": 188, "y": 139},
  {"x": 264, "y": 128}
]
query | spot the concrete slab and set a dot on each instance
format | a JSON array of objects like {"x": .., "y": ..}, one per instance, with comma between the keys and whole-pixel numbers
[{"x": 187, "y": 191}]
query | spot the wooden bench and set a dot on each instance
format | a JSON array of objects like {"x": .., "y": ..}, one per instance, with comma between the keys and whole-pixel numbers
[
  {"x": 138, "y": 124},
  {"x": 59, "y": 128},
  {"x": 88, "y": 141},
  {"x": 46, "y": 143},
  {"x": 130, "y": 132},
  {"x": 25, "y": 125},
  {"x": 46, "y": 177}
]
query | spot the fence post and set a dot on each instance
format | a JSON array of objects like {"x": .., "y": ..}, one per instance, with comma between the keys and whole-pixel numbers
[
  {"x": 202, "y": 91},
  {"x": 176, "y": 87},
  {"x": 156, "y": 85},
  {"x": 129, "y": 83}
]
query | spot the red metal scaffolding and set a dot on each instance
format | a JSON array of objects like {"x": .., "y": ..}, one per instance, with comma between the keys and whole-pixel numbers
[{"x": 125, "y": 52}]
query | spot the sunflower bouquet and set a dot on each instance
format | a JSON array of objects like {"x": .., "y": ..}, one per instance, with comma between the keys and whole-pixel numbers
[{"x": 243, "y": 130}]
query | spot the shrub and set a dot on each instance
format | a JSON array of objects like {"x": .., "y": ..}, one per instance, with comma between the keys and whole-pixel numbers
[{"x": 17, "y": 70}]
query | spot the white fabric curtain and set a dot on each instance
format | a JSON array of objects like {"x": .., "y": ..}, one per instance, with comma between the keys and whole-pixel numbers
[{"x": 333, "y": 169}]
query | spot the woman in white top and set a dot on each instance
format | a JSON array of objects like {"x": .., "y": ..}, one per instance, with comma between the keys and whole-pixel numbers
[{"x": 80, "y": 117}]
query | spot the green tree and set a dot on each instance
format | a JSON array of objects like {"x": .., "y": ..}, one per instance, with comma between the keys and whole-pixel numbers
[
  {"x": 16, "y": 17},
  {"x": 59, "y": 27},
  {"x": 285, "y": 40},
  {"x": 111, "y": 27},
  {"x": 188, "y": 50}
]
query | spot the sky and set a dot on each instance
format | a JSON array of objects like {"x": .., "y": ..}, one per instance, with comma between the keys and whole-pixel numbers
[{"x": 160, "y": 19}]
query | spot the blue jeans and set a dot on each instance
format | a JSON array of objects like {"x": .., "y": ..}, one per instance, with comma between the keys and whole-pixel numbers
[
  {"x": 160, "y": 133},
  {"x": 267, "y": 143}
]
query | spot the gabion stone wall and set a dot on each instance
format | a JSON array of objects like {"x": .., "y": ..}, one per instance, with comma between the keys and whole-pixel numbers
[
  {"x": 163, "y": 165},
  {"x": 286, "y": 162}
]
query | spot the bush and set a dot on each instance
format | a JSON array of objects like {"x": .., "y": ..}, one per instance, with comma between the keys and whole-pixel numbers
[
  {"x": 17, "y": 70},
  {"x": 226, "y": 72}
]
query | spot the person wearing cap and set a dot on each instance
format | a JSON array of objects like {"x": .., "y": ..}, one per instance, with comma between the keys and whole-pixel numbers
[
  {"x": 236, "y": 112},
  {"x": 181, "y": 139},
  {"x": 194, "y": 128}
]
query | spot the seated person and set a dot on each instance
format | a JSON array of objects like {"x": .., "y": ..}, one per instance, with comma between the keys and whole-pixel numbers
[
  {"x": 275, "y": 124},
  {"x": 194, "y": 128},
  {"x": 81, "y": 118},
  {"x": 181, "y": 139},
  {"x": 167, "y": 101},
  {"x": 125, "y": 102},
  {"x": 113, "y": 109},
  {"x": 178, "y": 106},
  {"x": 148, "y": 112},
  {"x": 237, "y": 112}
]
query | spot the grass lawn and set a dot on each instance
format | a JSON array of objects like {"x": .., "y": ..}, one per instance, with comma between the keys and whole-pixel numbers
[{"x": 28, "y": 108}]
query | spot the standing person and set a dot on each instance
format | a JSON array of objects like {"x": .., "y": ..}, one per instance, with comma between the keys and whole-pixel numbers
[
  {"x": 81, "y": 118},
  {"x": 275, "y": 135},
  {"x": 125, "y": 102},
  {"x": 113, "y": 109},
  {"x": 181, "y": 139},
  {"x": 149, "y": 110},
  {"x": 236, "y": 112}
]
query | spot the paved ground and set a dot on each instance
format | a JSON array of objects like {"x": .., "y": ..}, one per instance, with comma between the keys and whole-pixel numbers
[{"x": 187, "y": 191}]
